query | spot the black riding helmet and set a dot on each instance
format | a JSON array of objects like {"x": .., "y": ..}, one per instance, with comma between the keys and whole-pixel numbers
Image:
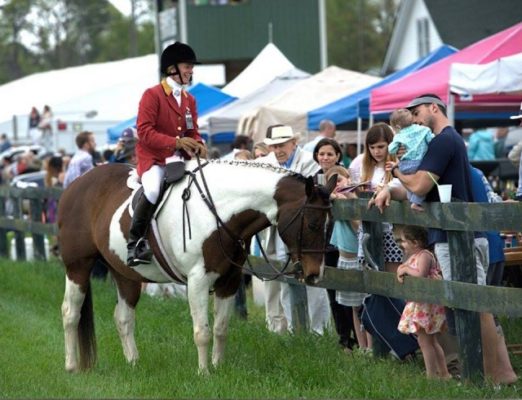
[{"x": 174, "y": 54}]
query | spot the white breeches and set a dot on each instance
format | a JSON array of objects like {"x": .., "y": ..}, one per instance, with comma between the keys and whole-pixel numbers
[{"x": 152, "y": 180}]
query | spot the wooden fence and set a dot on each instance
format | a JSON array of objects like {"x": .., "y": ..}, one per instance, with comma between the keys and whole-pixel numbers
[
  {"x": 458, "y": 219},
  {"x": 21, "y": 211},
  {"x": 467, "y": 299}
]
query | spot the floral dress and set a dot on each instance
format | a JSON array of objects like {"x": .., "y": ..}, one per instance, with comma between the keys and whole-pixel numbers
[{"x": 430, "y": 317}]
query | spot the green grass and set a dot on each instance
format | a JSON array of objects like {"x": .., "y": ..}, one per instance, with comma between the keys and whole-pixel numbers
[{"x": 258, "y": 364}]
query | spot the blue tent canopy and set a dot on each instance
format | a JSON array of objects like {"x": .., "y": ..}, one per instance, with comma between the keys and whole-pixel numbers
[
  {"x": 357, "y": 105},
  {"x": 114, "y": 132},
  {"x": 208, "y": 98}
]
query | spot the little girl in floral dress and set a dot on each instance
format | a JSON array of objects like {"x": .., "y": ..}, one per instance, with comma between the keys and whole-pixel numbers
[{"x": 422, "y": 319}]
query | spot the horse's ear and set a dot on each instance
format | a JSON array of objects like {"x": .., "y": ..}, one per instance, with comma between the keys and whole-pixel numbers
[
  {"x": 309, "y": 188},
  {"x": 331, "y": 184}
]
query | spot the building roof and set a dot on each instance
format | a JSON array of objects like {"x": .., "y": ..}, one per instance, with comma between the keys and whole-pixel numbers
[
  {"x": 461, "y": 23},
  {"x": 457, "y": 23}
]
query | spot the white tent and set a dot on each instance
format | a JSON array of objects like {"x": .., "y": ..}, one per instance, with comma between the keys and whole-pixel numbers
[
  {"x": 268, "y": 64},
  {"x": 226, "y": 119},
  {"x": 110, "y": 91},
  {"x": 503, "y": 75},
  {"x": 292, "y": 106}
]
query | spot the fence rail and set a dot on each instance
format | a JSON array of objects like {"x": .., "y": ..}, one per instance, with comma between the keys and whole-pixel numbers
[
  {"x": 458, "y": 219},
  {"x": 462, "y": 294},
  {"x": 14, "y": 202}
]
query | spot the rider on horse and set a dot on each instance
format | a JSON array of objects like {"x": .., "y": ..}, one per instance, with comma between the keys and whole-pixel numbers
[{"x": 167, "y": 136}]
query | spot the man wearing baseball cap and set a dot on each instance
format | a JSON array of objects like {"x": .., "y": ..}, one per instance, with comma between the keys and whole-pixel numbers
[
  {"x": 284, "y": 152},
  {"x": 125, "y": 147},
  {"x": 446, "y": 162}
]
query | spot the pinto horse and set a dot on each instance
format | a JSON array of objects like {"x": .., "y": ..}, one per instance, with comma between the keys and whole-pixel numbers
[{"x": 204, "y": 221}]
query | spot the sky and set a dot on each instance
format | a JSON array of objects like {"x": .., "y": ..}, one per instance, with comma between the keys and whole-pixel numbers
[{"x": 123, "y": 5}]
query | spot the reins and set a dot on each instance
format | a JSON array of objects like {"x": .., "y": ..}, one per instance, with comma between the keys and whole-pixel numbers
[{"x": 207, "y": 199}]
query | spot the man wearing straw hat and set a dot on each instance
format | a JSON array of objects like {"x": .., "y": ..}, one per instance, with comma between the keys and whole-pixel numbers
[
  {"x": 446, "y": 162},
  {"x": 284, "y": 152}
]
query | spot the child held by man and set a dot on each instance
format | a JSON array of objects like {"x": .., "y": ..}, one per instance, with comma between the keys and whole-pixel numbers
[{"x": 414, "y": 138}]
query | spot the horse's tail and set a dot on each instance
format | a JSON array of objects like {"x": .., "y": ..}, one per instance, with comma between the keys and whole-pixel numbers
[{"x": 86, "y": 334}]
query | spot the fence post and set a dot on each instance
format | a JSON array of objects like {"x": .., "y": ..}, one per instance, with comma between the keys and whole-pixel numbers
[
  {"x": 19, "y": 235},
  {"x": 467, "y": 323},
  {"x": 38, "y": 239},
  {"x": 375, "y": 242},
  {"x": 375, "y": 248},
  {"x": 4, "y": 245},
  {"x": 299, "y": 306}
]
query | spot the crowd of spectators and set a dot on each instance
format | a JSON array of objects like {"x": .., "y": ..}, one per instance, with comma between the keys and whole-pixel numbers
[
  {"x": 406, "y": 251},
  {"x": 34, "y": 166},
  {"x": 376, "y": 169}
]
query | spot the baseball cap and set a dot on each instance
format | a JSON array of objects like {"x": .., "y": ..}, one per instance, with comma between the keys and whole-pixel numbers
[
  {"x": 128, "y": 134},
  {"x": 425, "y": 100}
]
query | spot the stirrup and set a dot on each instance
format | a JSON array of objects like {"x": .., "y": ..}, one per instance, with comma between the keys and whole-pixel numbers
[
  {"x": 136, "y": 260},
  {"x": 141, "y": 254}
]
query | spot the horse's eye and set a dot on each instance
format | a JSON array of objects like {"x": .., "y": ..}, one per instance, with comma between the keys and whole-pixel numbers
[{"x": 313, "y": 226}]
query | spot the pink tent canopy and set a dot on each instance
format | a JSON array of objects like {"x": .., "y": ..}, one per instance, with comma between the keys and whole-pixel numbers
[{"x": 435, "y": 78}]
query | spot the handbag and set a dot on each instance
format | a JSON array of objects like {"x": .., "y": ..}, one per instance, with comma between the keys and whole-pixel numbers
[{"x": 380, "y": 317}]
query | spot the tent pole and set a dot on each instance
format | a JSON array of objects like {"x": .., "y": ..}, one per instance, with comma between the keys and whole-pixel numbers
[
  {"x": 323, "y": 40},
  {"x": 182, "y": 9},
  {"x": 451, "y": 109},
  {"x": 359, "y": 134}
]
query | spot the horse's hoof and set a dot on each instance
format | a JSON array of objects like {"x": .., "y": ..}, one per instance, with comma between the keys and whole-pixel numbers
[
  {"x": 71, "y": 369},
  {"x": 203, "y": 372}
]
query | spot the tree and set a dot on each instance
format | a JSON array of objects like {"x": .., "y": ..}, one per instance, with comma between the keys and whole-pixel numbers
[
  {"x": 358, "y": 32},
  {"x": 12, "y": 24},
  {"x": 49, "y": 34}
]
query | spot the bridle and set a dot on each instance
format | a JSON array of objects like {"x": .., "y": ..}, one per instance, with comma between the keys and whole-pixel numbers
[
  {"x": 300, "y": 213},
  {"x": 207, "y": 199}
]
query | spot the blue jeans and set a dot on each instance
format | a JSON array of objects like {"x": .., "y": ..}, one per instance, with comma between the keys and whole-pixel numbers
[{"x": 409, "y": 167}]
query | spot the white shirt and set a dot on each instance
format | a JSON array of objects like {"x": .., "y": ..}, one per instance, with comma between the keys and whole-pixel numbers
[
  {"x": 176, "y": 89},
  {"x": 80, "y": 163}
]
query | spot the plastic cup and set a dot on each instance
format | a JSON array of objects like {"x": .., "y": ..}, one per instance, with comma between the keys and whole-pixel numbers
[{"x": 444, "y": 193}]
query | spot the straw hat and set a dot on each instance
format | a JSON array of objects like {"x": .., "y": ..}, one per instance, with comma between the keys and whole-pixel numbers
[{"x": 277, "y": 134}]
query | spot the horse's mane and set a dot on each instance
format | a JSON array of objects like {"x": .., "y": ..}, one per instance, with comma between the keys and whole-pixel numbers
[{"x": 254, "y": 164}]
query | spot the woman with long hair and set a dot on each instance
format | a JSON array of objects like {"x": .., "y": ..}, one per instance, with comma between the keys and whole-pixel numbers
[{"x": 374, "y": 158}]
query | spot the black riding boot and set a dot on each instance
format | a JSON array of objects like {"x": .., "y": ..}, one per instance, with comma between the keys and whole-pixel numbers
[{"x": 138, "y": 250}]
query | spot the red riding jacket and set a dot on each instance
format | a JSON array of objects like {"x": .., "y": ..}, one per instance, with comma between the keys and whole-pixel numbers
[{"x": 160, "y": 121}]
